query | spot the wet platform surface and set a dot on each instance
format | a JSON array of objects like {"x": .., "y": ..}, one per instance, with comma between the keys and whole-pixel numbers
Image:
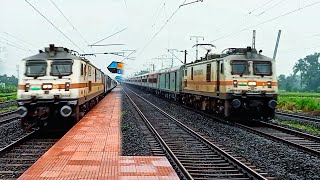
[{"x": 92, "y": 150}]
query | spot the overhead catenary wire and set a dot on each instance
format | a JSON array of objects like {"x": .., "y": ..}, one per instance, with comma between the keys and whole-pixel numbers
[
  {"x": 264, "y": 22},
  {"x": 69, "y": 21},
  {"x": 155, "y": 35},
  {"x": 263, "y": 5},
  {"x": 14, "y": 46},
  {"x": 26, "y": 42},
  {"x": 109, "y": 36},
  {"x": 271, "y": 7},
  {"x": 53, "y": 25}
]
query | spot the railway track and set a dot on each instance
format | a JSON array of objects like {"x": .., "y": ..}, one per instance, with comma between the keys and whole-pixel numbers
[
  {"x": 8, "y": 104},
  {"x": 18, "y": 156},
  {"x": 297, "y": 139},
  {"x": 299, "y": 116},
  {"x": 8, "y": 116},
  {"x": 194, "y": 156},
  {"x": 303, "y": 141}
]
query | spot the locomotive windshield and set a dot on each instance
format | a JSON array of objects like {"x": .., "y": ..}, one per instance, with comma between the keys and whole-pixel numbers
[
  {"x": 61, "y": 68},
  {"x": 239, "y": 67},
  {"x": 36, "y": 68},
  {"x": 262, "y": 68}
]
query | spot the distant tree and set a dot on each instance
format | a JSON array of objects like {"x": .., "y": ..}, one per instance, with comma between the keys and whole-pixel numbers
[
  {"x": 300, "y": 67},
  {"x": 282, "y": 81},
  {"x": 9, "y": 81}
]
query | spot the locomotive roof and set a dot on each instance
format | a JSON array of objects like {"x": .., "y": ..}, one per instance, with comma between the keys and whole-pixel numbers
[{"x": 60, "y": 53}]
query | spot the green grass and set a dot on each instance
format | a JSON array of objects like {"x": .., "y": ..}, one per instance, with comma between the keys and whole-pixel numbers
[
  {"x": 8, "y": 96},
  {"x": 308, "y": 128},
  {"x": 299, "y": 102},
  {"x": 299, "y": 94},
  {"x": 8, "y": 109}
]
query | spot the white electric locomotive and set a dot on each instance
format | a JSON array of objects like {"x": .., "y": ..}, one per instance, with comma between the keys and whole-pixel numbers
[
  {"x": 238, "y": 82},
  {"x": 60, "y": 84}
]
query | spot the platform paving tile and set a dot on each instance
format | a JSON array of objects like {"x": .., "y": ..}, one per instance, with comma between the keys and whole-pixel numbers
[{"x": 92, "y": 148}]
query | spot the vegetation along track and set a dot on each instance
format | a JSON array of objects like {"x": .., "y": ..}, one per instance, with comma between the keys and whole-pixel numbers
[
  {"x": 21, "y": 154},
  {"x": 299, "y": 116},
  {"x": 194, "y": 156},
  {"x": 306, "y": 142},
  {"x": 8, "y": 116}
]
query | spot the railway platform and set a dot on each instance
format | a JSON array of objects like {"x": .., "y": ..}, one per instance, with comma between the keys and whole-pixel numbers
[{"x": 92, "y": 150}]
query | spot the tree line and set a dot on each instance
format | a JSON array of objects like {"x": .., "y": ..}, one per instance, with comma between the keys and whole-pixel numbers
[
  {"x": 9, "y": 80},
  {"x": 305, "y": 76}
]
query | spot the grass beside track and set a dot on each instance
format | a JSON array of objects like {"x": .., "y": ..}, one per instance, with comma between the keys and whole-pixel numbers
[
  {"x": 305, "y": 127},
  {"x": 299, "y": 102},
  {"x": 8, "y": 96},
  {"x": 11, "y": 108}
]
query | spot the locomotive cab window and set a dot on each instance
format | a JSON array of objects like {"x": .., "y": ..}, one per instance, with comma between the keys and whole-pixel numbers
[
  {"x": 36, "y": 68},
  {"x": 262, "y": 68},
  {"x": 239, "y": 67},
  {"x": 61, "y": 68}
]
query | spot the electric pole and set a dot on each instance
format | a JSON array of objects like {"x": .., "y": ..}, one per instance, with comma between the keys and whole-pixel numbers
[
  {"x": 197, "y": 41},
  {"x": 172, "y": 54}
]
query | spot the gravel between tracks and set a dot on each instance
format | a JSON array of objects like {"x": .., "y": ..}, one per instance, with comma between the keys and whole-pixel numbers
[
  {"x": 10, "y": 132},
  {"x": 134, "y": 142},
  {"x": 279, "y": 160}
]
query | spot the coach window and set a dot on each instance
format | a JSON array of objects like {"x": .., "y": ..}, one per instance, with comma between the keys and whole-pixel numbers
[
  {"x": 191, "y": 73},
  {"x": 208, "y": 72},
  {"x": 185, "y": 72},
  {"x": 61, "y": 68}
]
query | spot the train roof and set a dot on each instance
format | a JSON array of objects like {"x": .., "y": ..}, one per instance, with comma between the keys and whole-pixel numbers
[{"x": 160, "y": 71}]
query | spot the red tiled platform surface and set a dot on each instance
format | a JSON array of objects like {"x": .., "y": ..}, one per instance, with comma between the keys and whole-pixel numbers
[{"x": 91, "y": 150}]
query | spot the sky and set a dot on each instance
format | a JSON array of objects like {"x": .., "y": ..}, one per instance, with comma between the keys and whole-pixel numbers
[{"x": 153, "y": 26}]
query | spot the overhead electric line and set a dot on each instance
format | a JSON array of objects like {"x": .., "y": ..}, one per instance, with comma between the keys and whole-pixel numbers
[
  {"x": 53, "y": 25},
  {"x": 107, "y": 45},
  {"x": 19, "y": 39},
  {"x": 155, "y": 35},
  {"x": 271, "y": 7},
  {"x": 127, "y": 57},
  {"x": 14, "y": 46},
  {"x": 69, "y": 21},
  {"x": 272, "y": 19},
  {"x": 263, "y": 5},
  {"x": 109, "y": 36}
]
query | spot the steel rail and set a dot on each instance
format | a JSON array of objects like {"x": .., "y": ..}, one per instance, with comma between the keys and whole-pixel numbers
[
  {"x": 242, "y": 167},
  {"x": 300, "y": 116}
]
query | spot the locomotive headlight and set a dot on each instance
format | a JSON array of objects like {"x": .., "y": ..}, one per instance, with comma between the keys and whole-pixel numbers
[
  {"x": 47, "y": 86},
  {"x": 27, "y": 87},
  {"x": 269, "y": 84},
  {"x": 235, "y": 83},
  {"x": 67, "y": 86},
  {"x": 252, "y": 83}
]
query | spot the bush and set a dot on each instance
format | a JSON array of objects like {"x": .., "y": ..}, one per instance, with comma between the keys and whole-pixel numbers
[{"x": 8, "y": 89}]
